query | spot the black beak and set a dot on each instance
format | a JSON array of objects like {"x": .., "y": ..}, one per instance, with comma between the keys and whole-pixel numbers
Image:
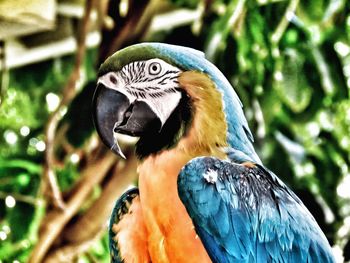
[{"x": 114, "y": 113}]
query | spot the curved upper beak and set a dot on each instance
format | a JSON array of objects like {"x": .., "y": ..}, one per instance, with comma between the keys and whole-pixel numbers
[{"x": 114, "y": 113}]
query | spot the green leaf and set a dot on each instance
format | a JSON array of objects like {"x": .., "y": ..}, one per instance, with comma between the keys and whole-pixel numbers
[{"x": 30, "y": 167}]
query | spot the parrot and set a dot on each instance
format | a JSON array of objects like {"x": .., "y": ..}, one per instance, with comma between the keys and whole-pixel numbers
[{"x": 203, "y": 193}]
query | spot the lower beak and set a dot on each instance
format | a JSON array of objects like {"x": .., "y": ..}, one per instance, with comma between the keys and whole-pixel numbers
[{"x": 114, "y": 113}]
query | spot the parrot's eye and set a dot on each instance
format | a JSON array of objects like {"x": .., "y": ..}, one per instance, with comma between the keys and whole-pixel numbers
[{"x": 154, "y": 68}]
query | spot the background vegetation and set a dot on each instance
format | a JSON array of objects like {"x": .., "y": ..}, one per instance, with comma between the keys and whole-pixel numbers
[{"x": 289, "y": 61}]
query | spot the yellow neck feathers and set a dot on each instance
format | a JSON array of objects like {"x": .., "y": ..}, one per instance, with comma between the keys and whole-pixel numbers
[{"x": 208, "y": 130}]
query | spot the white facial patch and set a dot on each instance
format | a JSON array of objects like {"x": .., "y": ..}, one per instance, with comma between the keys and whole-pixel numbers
[
  {"x": 153, "y": 81},
  {"x": 164, "y": 107}
]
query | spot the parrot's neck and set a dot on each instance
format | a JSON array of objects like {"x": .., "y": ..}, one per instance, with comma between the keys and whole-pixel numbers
[
  {"x": 166, "y": 218},
  {"x": 208, "y": 131}
]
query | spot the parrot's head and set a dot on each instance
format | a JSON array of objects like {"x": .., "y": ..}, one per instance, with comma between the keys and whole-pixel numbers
[{"x": 157, "y": 92}]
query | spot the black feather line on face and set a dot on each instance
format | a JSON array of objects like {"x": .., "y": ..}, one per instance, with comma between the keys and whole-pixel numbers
[
  {"x": 139, "y": 74},
  {"x": 164, "y": 75},
  {"x": 164, "y": 80},
  {"x": 170, "y": 90},
  {"x": 138, "y": 88},
  {"x": 153, "y": 88},
  {"x": 173, "y": 130}
]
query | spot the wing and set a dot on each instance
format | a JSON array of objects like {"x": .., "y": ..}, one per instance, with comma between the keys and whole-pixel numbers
[
  {"x": 127, "y": 233},
  {"x": 246, "y": 214}
]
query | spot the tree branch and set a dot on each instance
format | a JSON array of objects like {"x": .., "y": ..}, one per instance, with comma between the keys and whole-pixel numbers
[
  {"x": 69, "y": 92},
  {"x": 282, "y": 26},
  {"x": 123, "y": 28},
  {"x": 94, "y": 220},
  {"x": 55, "y": 220},
  {"x": 69, "y": 252},
  {"x": 97, "y": 215}
]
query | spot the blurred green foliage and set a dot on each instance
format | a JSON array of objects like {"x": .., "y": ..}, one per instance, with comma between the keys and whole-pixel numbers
[
  {"x": 23, "y": 115},
  {"x": 289, "y": 61}
]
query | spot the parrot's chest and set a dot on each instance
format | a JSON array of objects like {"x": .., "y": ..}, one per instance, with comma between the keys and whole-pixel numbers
[{"x": 172, "y": 237}]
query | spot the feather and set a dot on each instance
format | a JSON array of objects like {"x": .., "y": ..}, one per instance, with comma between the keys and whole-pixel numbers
[{"x": 249, "y": 215}]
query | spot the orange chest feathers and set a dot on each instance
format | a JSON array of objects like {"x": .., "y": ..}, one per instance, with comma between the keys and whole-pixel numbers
[{"x": 171, "y": 235}]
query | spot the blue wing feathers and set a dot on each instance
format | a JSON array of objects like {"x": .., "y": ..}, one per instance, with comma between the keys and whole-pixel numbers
[
  {"x": 249, "y": 215},
  {"x": 217, "y": 253},
  {"x": 121, "y": 207}
]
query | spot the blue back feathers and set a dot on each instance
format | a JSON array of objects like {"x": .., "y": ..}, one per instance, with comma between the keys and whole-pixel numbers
[{"x": 248, "y": 215}]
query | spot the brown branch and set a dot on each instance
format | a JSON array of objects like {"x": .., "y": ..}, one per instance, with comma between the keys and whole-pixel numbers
[
  {"x": 70, "y": 252},
  {"x": 94, "y": 220},
  {"x": 123, "y": 29},
  {"x": 55, "y": 220},
  {"x": 69, "y": 92}
]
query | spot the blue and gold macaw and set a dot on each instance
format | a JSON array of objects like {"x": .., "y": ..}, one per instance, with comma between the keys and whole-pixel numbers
[{"x": 204, "y": 195}]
